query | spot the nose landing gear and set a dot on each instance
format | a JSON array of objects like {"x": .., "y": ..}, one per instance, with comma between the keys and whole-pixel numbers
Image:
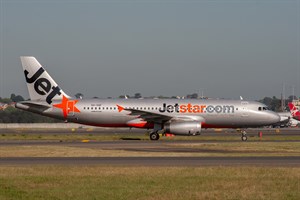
[{"x": 244, "y": 136}]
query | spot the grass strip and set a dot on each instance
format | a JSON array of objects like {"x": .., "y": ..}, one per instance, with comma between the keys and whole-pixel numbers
[{"x": 147, "y": 183}]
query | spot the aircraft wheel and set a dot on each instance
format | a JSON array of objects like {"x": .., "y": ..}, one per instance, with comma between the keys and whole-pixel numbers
[
  {"x": 154, "y": 136},
  {"x": 244, "y": 137}
]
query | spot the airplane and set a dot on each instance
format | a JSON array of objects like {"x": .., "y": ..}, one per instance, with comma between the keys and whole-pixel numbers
[
  {"x": 294, "y": 111},
  {"x": 286, "y": 120},
  {"x": 174, "y": 116}
]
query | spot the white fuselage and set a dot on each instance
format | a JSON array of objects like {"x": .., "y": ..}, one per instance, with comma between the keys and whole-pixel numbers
[{"x": 211, "y": 113}]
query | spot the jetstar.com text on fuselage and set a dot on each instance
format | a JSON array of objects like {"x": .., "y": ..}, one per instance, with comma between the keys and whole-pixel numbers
[{"x": 195, "y": 108}]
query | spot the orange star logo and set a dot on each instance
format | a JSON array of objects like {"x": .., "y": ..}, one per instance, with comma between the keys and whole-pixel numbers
[
  {"x": 67, "y": 106},
  {"x": 120, "y": 108}
]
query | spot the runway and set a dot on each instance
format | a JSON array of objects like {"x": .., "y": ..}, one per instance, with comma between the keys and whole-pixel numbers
[
  {"x": 232, "y": 157},
  {"x": 141, "y": 152},
  {"x": 126, "y": 143},
  {"x": 157, "y": 161},
  {"x": 139, "y": 132}
]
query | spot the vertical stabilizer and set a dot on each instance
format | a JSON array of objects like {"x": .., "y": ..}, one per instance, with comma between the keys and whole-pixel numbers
[
  {"x": 294, "y": 111},
  {"x": 40, "y": 84}
]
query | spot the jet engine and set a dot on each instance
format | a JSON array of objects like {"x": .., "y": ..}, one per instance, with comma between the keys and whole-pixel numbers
[{"x": 183, "y": 128}]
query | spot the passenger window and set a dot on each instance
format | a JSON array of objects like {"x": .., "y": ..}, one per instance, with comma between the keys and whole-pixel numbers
[{"x": 259, "y": 108}]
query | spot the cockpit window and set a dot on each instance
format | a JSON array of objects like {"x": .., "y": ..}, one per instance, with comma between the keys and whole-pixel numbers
[{"x": 263, "y": 108}]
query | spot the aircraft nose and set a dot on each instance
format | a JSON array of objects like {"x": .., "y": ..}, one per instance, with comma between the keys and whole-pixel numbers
[{"x": 274, "y": 118}]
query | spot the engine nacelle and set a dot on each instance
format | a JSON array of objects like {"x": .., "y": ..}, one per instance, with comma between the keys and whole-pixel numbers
[{"x": 183, "y": 128}]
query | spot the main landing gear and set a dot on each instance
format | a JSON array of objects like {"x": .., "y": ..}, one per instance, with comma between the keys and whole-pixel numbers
[
  {"x": 244, "y": 136},
  {"x": 154, "y": 135}
]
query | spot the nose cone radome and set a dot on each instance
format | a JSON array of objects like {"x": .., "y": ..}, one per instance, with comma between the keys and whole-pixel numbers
[{"x": 274, "y": 118}]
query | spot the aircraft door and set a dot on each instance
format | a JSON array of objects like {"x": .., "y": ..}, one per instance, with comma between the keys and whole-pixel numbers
[{"x": 244, "y": 105}]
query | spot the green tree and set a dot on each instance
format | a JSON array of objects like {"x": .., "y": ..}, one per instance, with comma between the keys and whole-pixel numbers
[
  {"x": 273, "y": 103},
  {"x": 5, "y": 100},
  {"x": 79, "y": 95},
  {"x": 192, "y": 96},
  {"x": 137, "y": 95},
  {"x": 13, "y": 115},
  {"x": 16, "y": 98}
]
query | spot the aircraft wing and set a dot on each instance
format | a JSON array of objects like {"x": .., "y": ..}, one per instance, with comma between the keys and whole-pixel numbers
[
  {"x": 159, "y": 118},
  {"x": 149, "y": 116}
]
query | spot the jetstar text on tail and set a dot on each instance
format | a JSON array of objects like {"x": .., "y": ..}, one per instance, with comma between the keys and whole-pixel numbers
[
  {"x": 42, "y": 85},
  {"x": 195, "y": 108}
]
